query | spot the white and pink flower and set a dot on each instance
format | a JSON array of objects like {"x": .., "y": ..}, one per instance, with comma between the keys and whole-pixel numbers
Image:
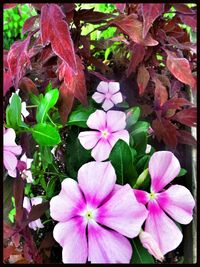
[
  {"x": 109, "y": 128},
  {"x": 108, "y": 93},
  {"x": 103, "y": 210},
  {"x": 176, "y": 201},
  {"x": 26, "y": 173},
  {"x": 27, "y": 204},
  {"x": 10, "y": 151}
]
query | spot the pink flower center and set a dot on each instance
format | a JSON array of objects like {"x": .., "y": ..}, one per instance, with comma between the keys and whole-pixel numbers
[
  {"x": 152, "y": 195},
  {"x": 89, "y": 214},
  {"x": 105, "y": 134},
  {"x": 108, "y": 95}
]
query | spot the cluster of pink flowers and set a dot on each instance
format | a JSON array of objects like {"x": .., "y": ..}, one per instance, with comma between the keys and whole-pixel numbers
[{"x": 96, "y": 202}]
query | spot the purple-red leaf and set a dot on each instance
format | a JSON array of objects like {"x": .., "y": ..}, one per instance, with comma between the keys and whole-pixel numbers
[
  {"x": 121, "y": 7},
  {"x": 37, "y": 211},
  {"x": 180, "y": 68},
  {"x": 7, "y": 6},
  {"x": 187, "y": 117},
  {"x": 133, "y": 28},
  {"x": 18, "y": 60},
  {"x": 150, "y": 12},
  {"x": 28, "y": 24},
  {"x": 137, "y": 56},
  {"x": 142, "y": 79},
  {"x": 55, "y": 30},
  {"x": 161, "y": 94},
  {"x": 185, "y": 137},
  {"x": 189, "y": 20},
  {"x": 7, "y": 81},
  {"x": 165, "y": 131}
]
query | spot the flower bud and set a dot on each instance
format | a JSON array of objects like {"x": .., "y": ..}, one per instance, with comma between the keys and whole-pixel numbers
[{"x": 151, "y": 245}]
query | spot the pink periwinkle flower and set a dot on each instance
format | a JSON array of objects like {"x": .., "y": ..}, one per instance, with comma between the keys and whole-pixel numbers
[
  {"x": 151, "y": 245},
  {"x": 27, "y": 204},
  {"x": 26, "y": 173},
  {"x": 109, "y": 94},
  {"x": 10, "y": 151},
  {"x": 95, "y": 215},
  {"x": 176, "y": 201},
  {"x": 109, "y": 128}
]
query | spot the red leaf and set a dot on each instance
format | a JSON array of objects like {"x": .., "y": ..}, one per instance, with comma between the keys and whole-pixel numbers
[
  {"x": 8, "y": 251},
  {"x": 55, "y": 30},
  {"x": 176, "y": 103},
  {"x": 27, "y": 85},
  {"x": 5, "y": 57},
  {"x": 91, "y": 16},
  {"x": 121, "y": 7},
  {"x": 189, "y": 20},
  {"x": 182, "y": 8},
  {"x": 28, "y": 24},
  {"x": 7, "y": 6},
  {"x": 7, "y": 81},
  {"x": 180, "y": 68},
  {"x": 18, "y": 60},
  {"x": 37, "y": 211},
  {"x": 66, "y": 99},
  {"x": 18, "y": 192},
  {"x": 133, "y": 28},
  {"x": 150, "y": 12},
  {"x": 161, "y": 94},
  {"x": 138, "y": 55},
  {"x": 187, "y": 117},
  {"x": 165, "y": 131},
  {"x": 142, "y": 79},
  {"x": 185, "y": 137}
]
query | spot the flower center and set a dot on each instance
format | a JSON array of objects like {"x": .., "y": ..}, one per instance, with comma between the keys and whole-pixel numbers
[
  {"x": 88, "y": 214},
  {"x": 105, "y": 134},
  {"x": 152, "y": 195},
  {"x": 108, "y": 95}
]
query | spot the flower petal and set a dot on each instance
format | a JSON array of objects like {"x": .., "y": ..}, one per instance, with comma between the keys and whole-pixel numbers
[
  {"x": 96, "y": 180},
  {"x": 107, "y": 246},
  {"x": 162, "y": 228},
  {"x": 163, "y": 168},
  {"x": 17, "y": 150},
  {"x": 71, "y": 235},
  {"x": 141, "y": 196},
  {"x": 36, "y": 224},
  {"x": 102, "y": 87},
  {"x": 97, "y": 120},
  {"x": 27, "y": 204},
  {"x": 122, "y": 134},
  {"x": 117, "y": 98},
  {"x": 113, "y": 87},
  {"x": 178, "y": 202},
  {"x": 9, "y": 160},
  {"x": 98, "y": 97},
  {"x": 36, "y": 200},
  {"x": 9, "y": 137},
  {"x": 102, "y": 150},
  {"x": 89, "y": 139},
  {"x": 116, "y": 120},
  {"x": 123, "y": 213},
  {"x": 68, "y": 203},
  {"x": 107, "y": 104}
]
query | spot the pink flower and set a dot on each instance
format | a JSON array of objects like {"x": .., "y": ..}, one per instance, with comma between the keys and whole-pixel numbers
[
  {"x": 176, "y": 201},
  {"x": 98, "y": 207},
  {"x": 10, "y": 151},
  {"x": 109, "y": 94},
  {"x": 27, "y": 204},
  {"x": 109, "y": 129},
  {"x": 26, "y": 173},
  {"x": 151, "y": 245}
]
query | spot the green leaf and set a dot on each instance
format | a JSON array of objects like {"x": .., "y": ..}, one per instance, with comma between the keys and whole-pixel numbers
[
  {"x": 133, "y": 115},
  {"x": 49, "y": 87},
  {"x": 142, "y": 163},
  {"x": 139, "y": 135},
  {"x": 13, "y": 112},
  {"x": 182, "y": 172},
  {"x": 75, "y": 154},
  {"x": 51, "y": 188},
  {"x": 141, "y": 179},
  {"x": 140, "y": 255},
  {"x": 46, "y": 156},
  {"x": 122, "y": 160},
  {"x": 48, "y": 101},
  {"x": 45, "y": 134},
  {"x": 80, "y": 116}
]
